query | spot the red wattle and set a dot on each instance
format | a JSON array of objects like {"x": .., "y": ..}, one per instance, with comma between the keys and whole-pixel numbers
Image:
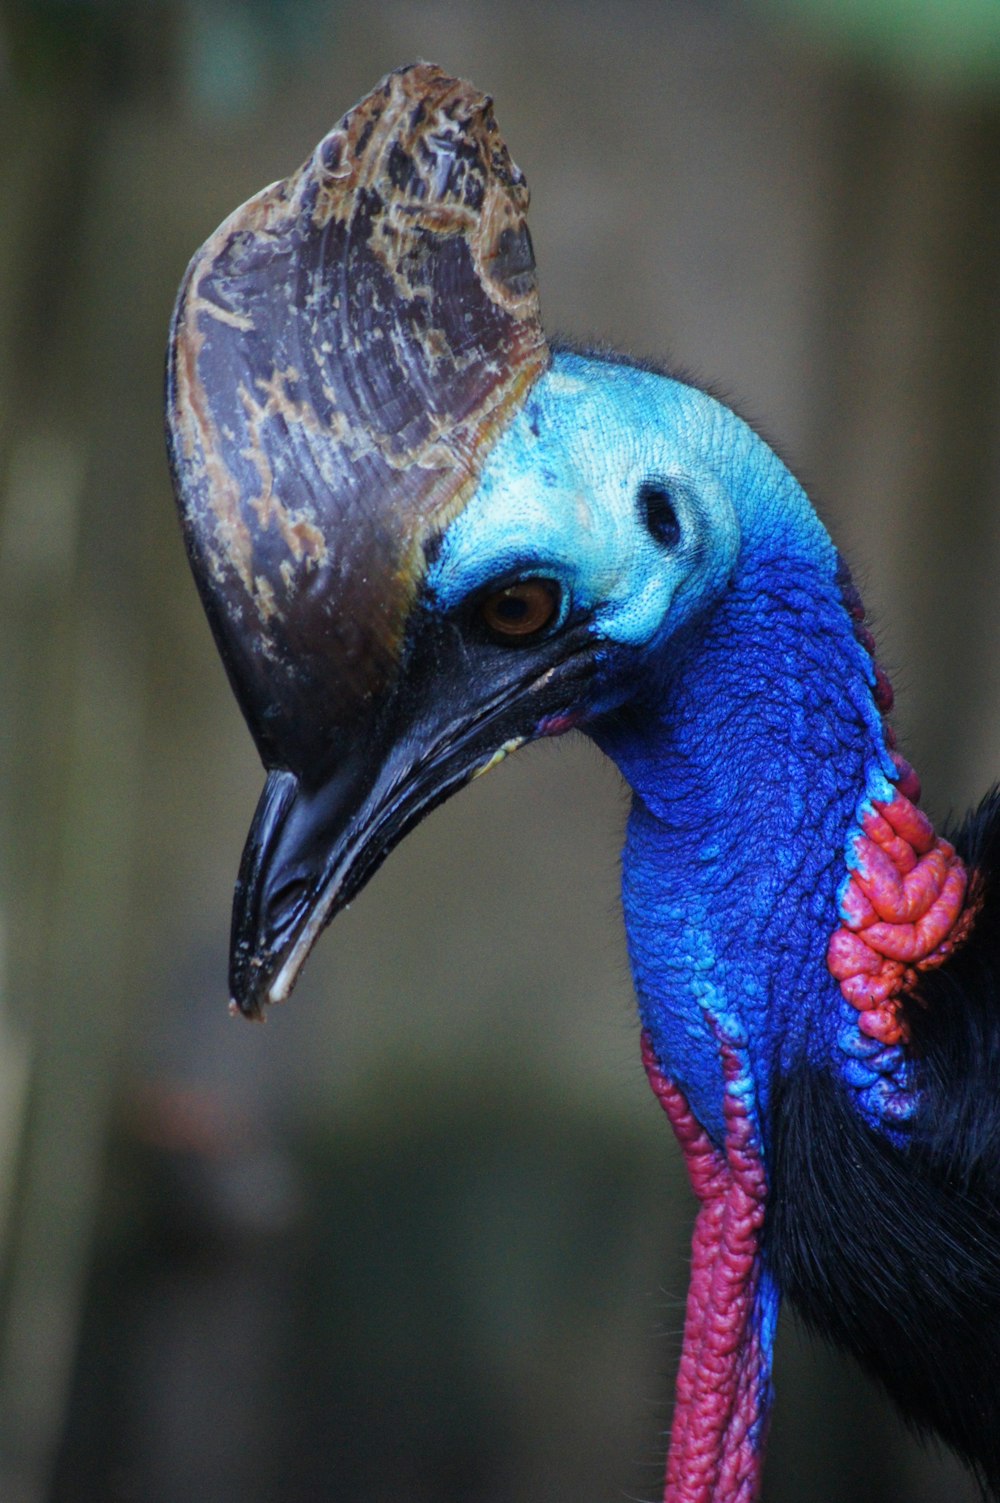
[
  {"x": 723, "y": 1382},
  {"x": 905, "y": 907},
  {"x": 904, "y": 911}
]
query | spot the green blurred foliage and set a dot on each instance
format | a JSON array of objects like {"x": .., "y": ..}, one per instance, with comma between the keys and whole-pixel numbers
[{"x": 952, "y": 44}]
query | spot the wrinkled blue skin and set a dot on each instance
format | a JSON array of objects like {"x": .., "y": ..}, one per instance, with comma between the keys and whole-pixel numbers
[{"x": 732, "y": 695}]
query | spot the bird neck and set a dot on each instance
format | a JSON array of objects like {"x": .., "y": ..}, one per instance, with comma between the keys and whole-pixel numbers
[{"x": 753, "y": 760}]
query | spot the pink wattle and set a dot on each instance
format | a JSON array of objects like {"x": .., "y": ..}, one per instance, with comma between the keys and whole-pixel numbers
[
  {"x": 904, "y": 911},
  {"x": 723, "y": 1385},
  {"x": 904, "y": 907}
]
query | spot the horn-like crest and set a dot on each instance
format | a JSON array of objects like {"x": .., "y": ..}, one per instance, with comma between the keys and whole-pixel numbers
[{"x": 343, "y": 350}]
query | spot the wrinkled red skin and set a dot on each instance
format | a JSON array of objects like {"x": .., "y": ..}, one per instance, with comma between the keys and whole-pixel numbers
[
  {"x": 904, "y": 907},
  {"x": 723, "y": 1391},
  {"x": 904, "y": 912}
]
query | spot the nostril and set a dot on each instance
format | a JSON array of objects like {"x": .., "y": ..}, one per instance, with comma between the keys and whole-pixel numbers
[{"x": 659, "y": 514}]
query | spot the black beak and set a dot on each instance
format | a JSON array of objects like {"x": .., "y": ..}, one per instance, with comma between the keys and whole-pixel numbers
[
  {"x": 313, "y": 846},
  {"x": 344, "y": 350}
]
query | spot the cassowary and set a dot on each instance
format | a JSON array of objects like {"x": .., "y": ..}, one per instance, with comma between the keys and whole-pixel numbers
[{"x": 425, "y": 536}]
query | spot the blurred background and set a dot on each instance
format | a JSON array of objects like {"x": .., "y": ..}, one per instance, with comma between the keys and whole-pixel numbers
[{"x": 424, "y": 1236}]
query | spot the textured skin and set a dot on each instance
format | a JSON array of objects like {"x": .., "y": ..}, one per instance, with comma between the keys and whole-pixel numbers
[
  {"x": 903, "y": 904},
  {"x": 904, "y": 912},
  {"x": 723, "y": 1395},
  {"x": 753, "y": 742}
]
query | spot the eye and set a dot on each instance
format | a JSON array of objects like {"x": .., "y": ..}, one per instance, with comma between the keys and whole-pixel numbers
[
  {"x": 522, "y": 609},
  {"x": 657, "y": 511}
]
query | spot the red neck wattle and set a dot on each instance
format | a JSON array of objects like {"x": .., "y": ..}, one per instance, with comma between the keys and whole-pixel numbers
[
  {"x": 904, "y": 906},
  {"x": 904, "y": 911},
  {"x": 723, "y": 1391}
]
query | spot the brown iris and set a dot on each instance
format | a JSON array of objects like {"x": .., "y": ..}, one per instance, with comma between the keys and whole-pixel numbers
[{"x": 522, "y": 609}]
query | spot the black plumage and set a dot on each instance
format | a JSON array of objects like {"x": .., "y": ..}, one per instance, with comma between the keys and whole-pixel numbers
[{"x": 894, "y": 1252}]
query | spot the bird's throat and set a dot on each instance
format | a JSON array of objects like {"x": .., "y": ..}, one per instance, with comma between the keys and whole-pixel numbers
[
  {"x": 778, "y": 879},
  {"x": 782, "y": 892}
]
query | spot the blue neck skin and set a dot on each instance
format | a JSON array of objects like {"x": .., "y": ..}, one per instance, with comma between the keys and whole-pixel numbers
[
  {"x": 735, "y": 699},
  {"x": 752, "y": 747}
]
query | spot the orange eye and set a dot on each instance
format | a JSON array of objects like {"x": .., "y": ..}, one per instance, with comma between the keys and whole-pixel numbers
[{"x": 521, "y": 609}]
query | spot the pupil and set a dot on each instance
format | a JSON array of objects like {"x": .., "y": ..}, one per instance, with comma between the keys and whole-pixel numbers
[{"x": 512, "y": 608}]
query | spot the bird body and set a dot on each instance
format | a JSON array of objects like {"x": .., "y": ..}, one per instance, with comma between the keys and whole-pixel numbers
[{"x": 601, "y": 546}]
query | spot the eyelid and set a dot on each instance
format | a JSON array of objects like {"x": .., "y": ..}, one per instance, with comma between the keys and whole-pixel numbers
[{"x": 520, "y": 574}]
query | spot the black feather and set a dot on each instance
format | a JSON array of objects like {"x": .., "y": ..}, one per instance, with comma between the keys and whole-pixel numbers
[{"x": 894, "y": 1252}]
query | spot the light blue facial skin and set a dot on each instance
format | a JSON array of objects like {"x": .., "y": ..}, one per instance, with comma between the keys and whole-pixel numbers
[
  {"x": 557, "y": 497},
  {"x": 758, "y": 741}
]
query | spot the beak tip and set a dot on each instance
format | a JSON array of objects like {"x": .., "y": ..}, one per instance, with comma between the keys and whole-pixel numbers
[
  {"x": 252, "y": 1001},
  {"x": 249, "y": 1008}
]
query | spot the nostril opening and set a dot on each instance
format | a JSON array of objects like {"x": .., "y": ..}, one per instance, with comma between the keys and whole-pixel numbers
[{"x": 659, "y": 515}]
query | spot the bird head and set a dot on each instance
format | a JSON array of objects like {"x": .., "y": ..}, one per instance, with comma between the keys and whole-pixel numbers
[{"x": 422, "y": 537}]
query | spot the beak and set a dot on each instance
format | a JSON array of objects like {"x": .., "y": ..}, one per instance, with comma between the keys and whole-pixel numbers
[
  {"x": 344, "y": 350},
  {"x": 313, "y": 846}
]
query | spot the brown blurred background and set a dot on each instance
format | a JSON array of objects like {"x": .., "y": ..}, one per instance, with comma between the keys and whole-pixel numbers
[{"x": 423, "y": 1237}]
